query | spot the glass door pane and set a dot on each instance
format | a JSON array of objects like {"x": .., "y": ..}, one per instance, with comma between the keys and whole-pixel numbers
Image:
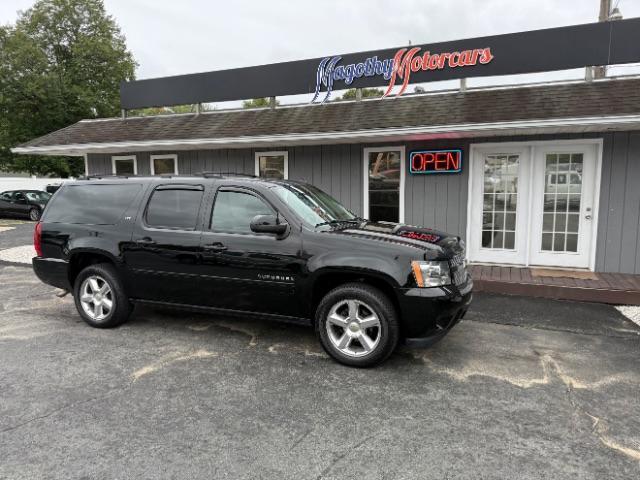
[
  {"x": 500, "y": 201},
  {"x": 562, "y": 202},
  {"x": 384, "y": 185}
]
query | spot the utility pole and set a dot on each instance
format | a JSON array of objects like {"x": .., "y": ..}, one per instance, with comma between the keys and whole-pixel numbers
[{"x": 605, "y": 12}]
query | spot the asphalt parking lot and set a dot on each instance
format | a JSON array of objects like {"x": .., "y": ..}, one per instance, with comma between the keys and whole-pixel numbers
[{"x": 522, "y": 388}]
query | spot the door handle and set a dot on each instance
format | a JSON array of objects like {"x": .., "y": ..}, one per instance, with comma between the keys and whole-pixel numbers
[
  {"x": 587, "y": 217},
  {"x": 214, "y": 247},
  {"x": 145, "y": 241}
]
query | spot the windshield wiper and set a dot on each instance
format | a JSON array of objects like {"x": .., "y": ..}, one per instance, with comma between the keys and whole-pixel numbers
[{"x": 337, "y": 222}]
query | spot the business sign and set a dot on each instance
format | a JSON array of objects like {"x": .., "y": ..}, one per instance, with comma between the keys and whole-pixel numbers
[
  {"x": 397, "y": 69},
  {"x": 435, "y": 161},
  {"x": 604, "y": 43}
]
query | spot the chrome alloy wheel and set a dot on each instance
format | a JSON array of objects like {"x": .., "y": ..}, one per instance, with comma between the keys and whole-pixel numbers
[
  {"x": 96, "y": 297},
  {"x": 353, "y": 328}
]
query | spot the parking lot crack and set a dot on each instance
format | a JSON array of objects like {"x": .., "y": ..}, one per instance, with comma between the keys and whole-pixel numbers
[
  {"x": 626, "y": 334},
  {"x": 170, "y": 359},
  {"x": 64, "y": 407},
  {"x": 342, "y": 455},
  {"x": 598, "y": 426},
  {"x": 301, "y": 438}
]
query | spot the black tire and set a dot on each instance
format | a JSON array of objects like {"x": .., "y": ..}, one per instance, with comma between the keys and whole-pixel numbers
[
  {"x": 374, "y": 300},
  {"x": 34, "y": 214},
  {"x": 121, "y": 306}
]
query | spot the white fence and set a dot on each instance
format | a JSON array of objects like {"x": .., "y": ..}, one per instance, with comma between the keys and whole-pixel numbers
[{"x": 28, "y": 183}]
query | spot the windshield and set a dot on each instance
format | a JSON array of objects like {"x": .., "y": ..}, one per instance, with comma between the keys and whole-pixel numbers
[
  {"x": 38, "y": 196},
  {"x": 312, "y": 205}
]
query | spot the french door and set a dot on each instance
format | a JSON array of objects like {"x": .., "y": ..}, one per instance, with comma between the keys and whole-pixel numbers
[{"x": 533, "y": 204}]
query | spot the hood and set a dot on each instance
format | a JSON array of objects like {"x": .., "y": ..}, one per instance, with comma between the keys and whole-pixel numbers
[{"x": 417, "y": 237}]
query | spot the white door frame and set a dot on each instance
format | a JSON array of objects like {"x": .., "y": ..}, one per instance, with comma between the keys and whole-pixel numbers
[
  {"x": 365, "y": 169},
  {"x": 517, "y": 256},
  {"x": 476, "y": 148}
]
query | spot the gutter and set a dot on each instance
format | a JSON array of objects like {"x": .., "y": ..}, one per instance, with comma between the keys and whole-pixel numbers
[{"x": 451, "y": 131}]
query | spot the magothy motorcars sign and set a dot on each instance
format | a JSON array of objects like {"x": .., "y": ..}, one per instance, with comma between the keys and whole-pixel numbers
[
  {"x": 604, "y": 43},
  {"x": 397, "y": 69}
]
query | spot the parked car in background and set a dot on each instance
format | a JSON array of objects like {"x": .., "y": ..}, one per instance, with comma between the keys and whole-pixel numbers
[
  {"x": 53, "y": 187},
  {"x": 23, "y": 203}
]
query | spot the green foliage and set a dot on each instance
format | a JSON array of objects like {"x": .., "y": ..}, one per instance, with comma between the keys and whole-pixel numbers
[
  {"x": 152, "y": 111},
  {"x": 258, "y": 103},
  {"x": 366, "y": 93},
  {"x": 62, "y": 61}
]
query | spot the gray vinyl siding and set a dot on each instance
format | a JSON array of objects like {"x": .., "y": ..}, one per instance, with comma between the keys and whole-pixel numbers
[
  {"x": 619, "y": 214},
  {"x": 440, "y": 201}
]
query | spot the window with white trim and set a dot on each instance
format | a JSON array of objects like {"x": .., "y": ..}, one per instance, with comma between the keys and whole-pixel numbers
[
  {"x": 384, "y": 184},
  {"x": 272, "y": 165},
  {"x": 124, "y": 165},
  {"x": 164, "y": 164}
]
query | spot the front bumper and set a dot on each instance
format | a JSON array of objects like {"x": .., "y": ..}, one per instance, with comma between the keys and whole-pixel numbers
[{"x": 428, "y": 314}]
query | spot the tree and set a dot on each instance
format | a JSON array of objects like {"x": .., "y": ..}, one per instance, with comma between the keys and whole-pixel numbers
[
  {"x": 258, "y": 103},
  {"x": 143, "y": 112},
  {"x": 62, "y": 61},
  {"x": 366, "y": 93}
]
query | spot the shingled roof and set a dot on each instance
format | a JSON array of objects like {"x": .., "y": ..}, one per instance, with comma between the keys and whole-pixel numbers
[{"x": 434, "y": 112}]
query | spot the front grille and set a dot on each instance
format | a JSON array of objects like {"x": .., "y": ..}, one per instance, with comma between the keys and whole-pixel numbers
[
  {"x": 459, "y": 269},
  {"x": 458, "y": 260}
]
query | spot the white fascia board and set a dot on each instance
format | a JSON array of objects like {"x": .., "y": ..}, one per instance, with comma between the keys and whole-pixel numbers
[{"x": 471, "y": 129}]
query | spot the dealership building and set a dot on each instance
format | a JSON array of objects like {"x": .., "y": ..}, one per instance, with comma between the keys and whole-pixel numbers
[{"x": 544, "y": 175}]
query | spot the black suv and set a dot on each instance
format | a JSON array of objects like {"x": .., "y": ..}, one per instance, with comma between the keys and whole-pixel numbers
[{"x": 232, "y": 244}]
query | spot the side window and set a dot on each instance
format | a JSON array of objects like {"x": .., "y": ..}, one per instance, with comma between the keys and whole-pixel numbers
[
  {"x": 172, "y": 207},
  {"x": 233, "y": 211},
  {"x": 6, "y": 196}
]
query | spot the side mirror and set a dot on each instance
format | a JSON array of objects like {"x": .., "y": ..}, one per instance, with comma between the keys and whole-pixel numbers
[{"x": 268, "y": 224}]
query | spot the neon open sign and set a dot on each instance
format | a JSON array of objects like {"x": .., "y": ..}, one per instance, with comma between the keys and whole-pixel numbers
[{"x": 436, "y": 161}]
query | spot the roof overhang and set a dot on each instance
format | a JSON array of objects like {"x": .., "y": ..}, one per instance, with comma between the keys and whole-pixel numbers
[{"x": 513, "y": 128}]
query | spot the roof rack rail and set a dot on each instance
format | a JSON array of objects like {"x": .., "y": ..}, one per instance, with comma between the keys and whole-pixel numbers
[
  {"x": 208, "y": 174},
  {"x": 101, "y": 176}
]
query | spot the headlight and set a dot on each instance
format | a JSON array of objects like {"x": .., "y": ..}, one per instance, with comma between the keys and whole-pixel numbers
[{"x": 432, "y": 273}]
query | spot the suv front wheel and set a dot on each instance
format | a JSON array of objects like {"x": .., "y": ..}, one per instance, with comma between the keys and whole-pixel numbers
[
  {"x": 100, "y": 298},
  {"x": 357, "y": 325}
]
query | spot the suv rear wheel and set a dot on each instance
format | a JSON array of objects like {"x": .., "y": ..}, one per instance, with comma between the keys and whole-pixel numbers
[
  {"x": 357, "y": 325},
  {"x": 100, "y": 298}
]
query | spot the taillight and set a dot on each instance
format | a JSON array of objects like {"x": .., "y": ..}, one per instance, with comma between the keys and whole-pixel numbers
[{"x": 37, "y": 239}]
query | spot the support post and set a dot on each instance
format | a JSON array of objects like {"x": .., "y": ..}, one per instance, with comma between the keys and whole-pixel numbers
[
  {"x": 588, "y": 74},
  {"x": 123, "y": 113},
  {"x": 605, "y": 11},
  {"x": 358, "y": 94},
  {"x": 463, "y": 84},
  {"x": 272, "y": 103}
]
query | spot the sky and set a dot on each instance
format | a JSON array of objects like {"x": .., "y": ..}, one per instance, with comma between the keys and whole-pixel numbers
[{"x": 169, "y": 37}]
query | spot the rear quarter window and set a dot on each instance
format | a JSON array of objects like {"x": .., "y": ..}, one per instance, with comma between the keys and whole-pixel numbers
[{"x": 92, "y": 204}]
